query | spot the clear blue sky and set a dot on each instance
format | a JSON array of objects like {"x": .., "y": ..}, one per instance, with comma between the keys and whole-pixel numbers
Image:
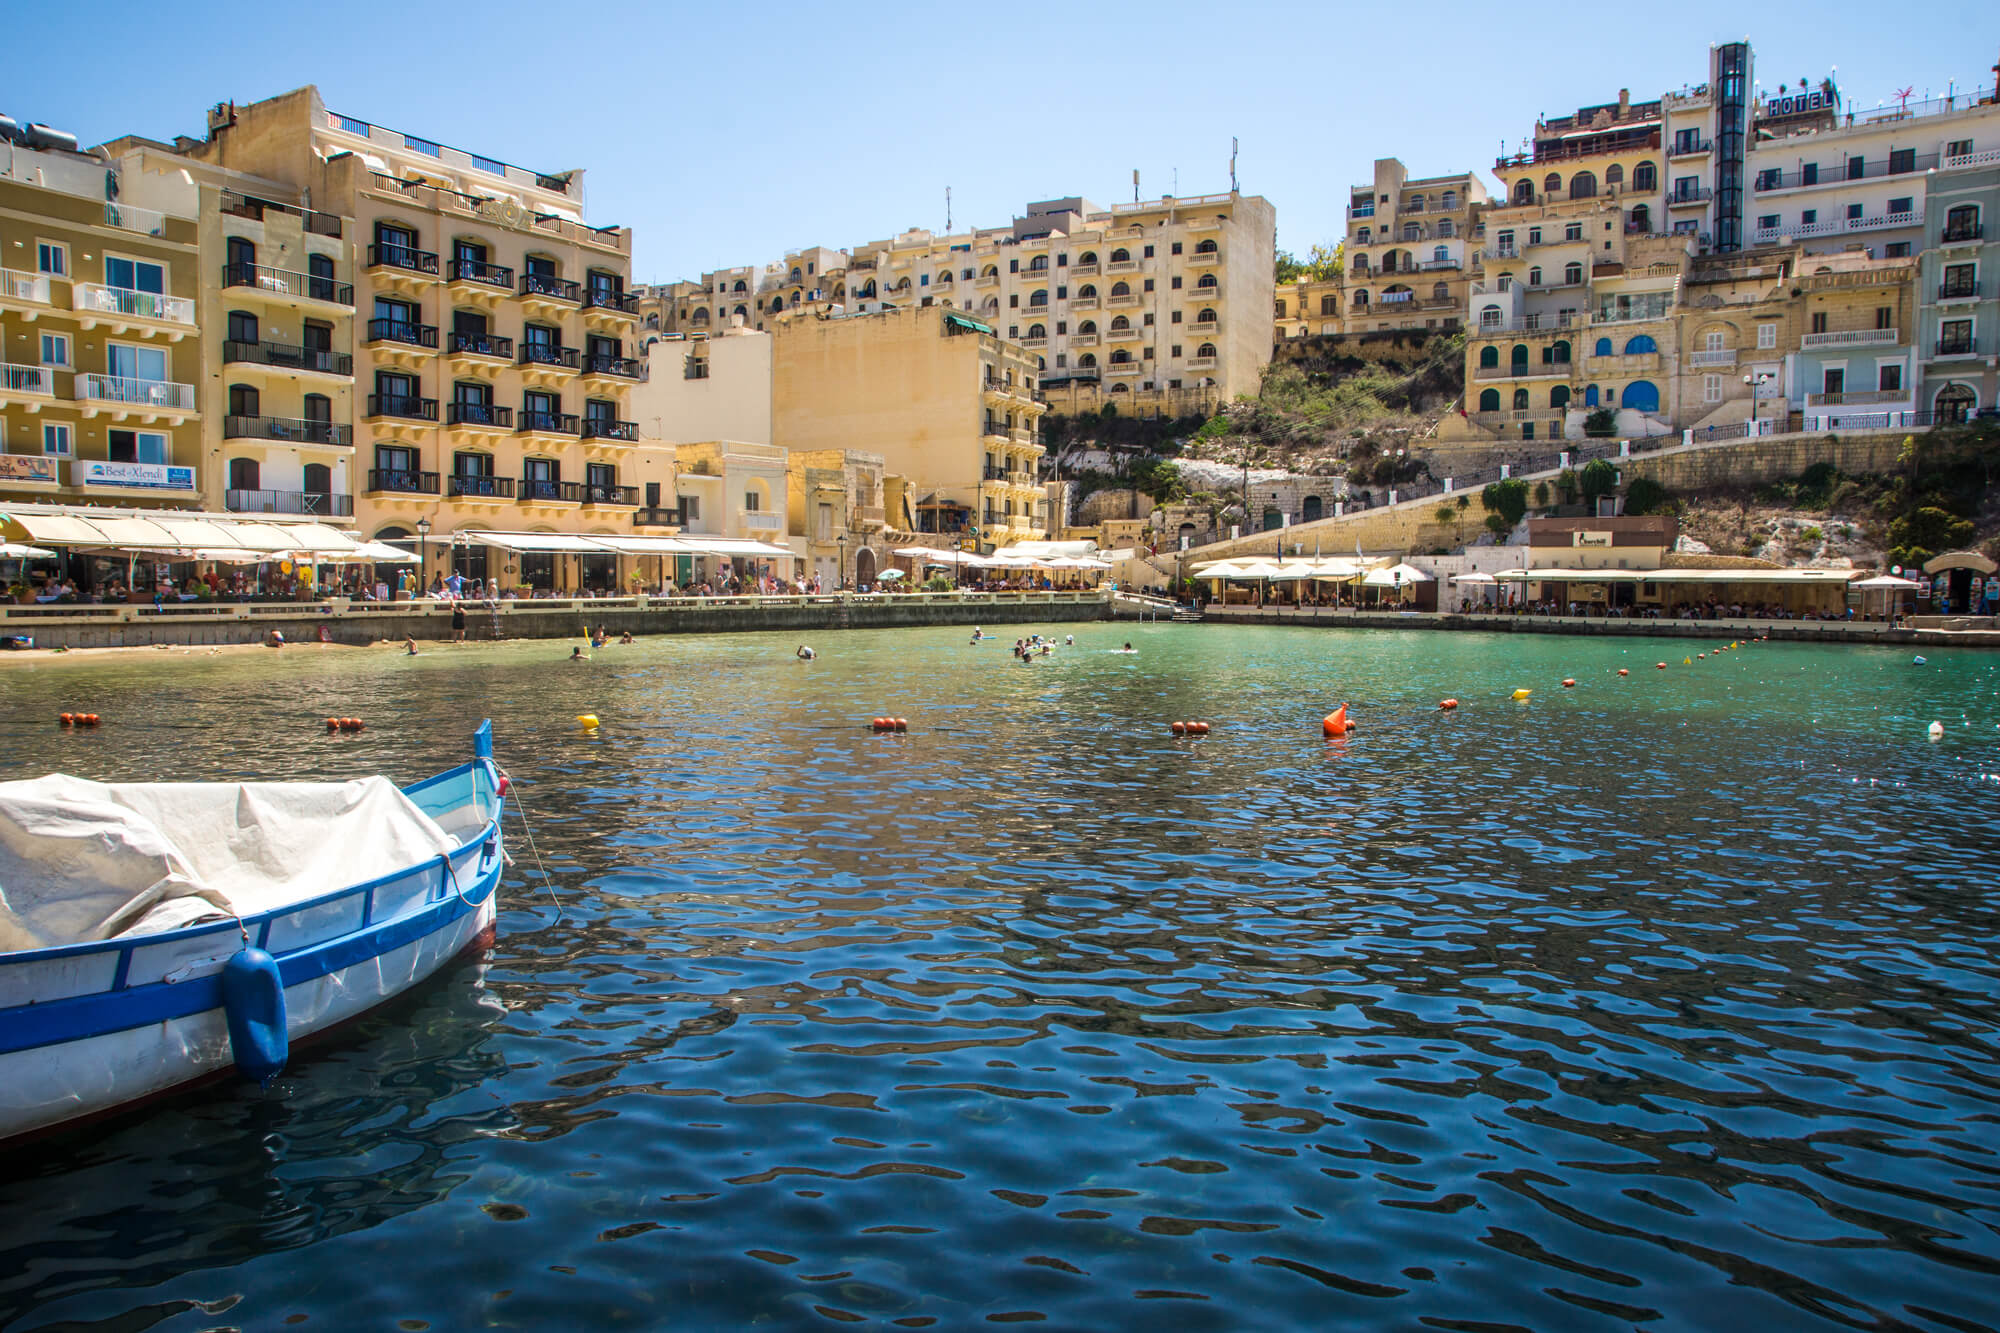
[{"x": 725, "y": 133}]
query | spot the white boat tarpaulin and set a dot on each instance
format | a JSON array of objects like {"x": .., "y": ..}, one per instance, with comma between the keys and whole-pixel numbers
[{"x": 83, "y": 861}]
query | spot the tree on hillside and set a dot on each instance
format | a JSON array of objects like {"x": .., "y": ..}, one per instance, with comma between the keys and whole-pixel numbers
[
  {"x": 1321, "y": 264},
  {"x": 1508, "y": 500},
  {"x": 1646, "y": 496},
  {"x": 1599, "y": 479},
  {"x": 1923, "y": 532}
]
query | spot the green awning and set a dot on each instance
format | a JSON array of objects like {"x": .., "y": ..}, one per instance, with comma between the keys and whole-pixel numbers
[{"x": 966, "y": 322}]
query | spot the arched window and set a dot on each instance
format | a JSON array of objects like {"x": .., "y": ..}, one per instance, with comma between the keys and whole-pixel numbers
[
  {"x": 699, "y": 317},
  {"x": 739, "y": 287},
  {"x": 1489, "y": 400},
  {"x": 1038, "y": 263},
  {"x": 1205, "y": 317},
  {"x": 1440, "y": 253},
  {"x": 1448, "y": 200},
  {"x": 796, "y": 275},
  {"x": 243, "y": 474},
  {"x": 1086, "y": 293},
  {"x": 1205, "y": 248},
  {"x": 1119, "y": 323},
  {"x": 1590, "y": 396},
  {"x": 1206, "y": 349},
  {"x": 1361, "y": 298},
  {"x": 795, "y": 300},
  {"x": 1087, "y": 360},
  {"x": 777, "y": 304},
  {"x": 1087, "y": 257},
  {"x": 245, "y": 401},
  {"x": 1551, "y": 183},
  {"x": 1416, "y": 203},
  {"x": 1517, "y": 360},
  {"x": 1524, "y": 192},
  {"x": 740, "y": 310},
  {"x": 1120, "y": 256},
  {"x": 1207, "y": 283},
  {"x": 1119, "y": 388},
  {"x": 1121, "y": 357},
  {"x": 1312, "y": 509},
  {"x": 1088, "y": 326},
  {"x": 990, "y": 271},
  {"x": 1489, "y": 357},
  {"x": 1559, "y": 352},
  {"x": 1413, "y": 231},
  {"x": 943, "y": 278},
  {"x": 1614, "y": 176},
  {"x": 1121, "y": 288},
  {"x": 318, "y": 479},
  {"x": 1446, "y": 227},
  {"x": 1953, "y": 404},
  {"x": 1640, "y": 221},
  {"x": 1037, "y": 331},
  {"x": 1489, "y": 317},
  {"x": 1572, "y": 274},
  {"x": 1583, "y": 185},
  {"x": 1535, "y": 276},
  {"x": 1037, "y": 300},
  {"x": 1642, "y": 396},
  {"x": 1645, "y": 178},
  {"x": 1640, "y": 343},
  {"x": 1559, "y": 396},
  {"x": 1603, "y": 347},
  {"x": 1521, "y": 400}
]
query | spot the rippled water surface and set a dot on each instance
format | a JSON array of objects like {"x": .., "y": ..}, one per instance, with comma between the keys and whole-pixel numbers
[{"x": 1668, "y": 999}]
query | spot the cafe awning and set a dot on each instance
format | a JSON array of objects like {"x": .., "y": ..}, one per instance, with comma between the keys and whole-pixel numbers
[
  {"x": 167, "y": 533},
  {"x": 1836, "y": 577}
]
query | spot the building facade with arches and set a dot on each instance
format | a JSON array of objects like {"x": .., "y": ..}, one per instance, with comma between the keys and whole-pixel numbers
[
  {"x": 1408, "y": 250},
  {"x": 1958, "y": 290}
]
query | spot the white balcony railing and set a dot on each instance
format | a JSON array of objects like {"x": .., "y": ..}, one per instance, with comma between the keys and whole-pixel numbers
[
  {"x": 164, "y": 394},
  {"x": 1985, "y": 157},
  {"x": 758, "y": 521},
  {"x": 148, "y": 220},
  {"x": 1853, "y": 338},
  {"x": 1859, "y": 398},
  {"x": 18, "y": 286},
  {"x": 96, "y": 298},
  {"x": 1725, "y": 358},
  {"x": 26, "y": 379}
]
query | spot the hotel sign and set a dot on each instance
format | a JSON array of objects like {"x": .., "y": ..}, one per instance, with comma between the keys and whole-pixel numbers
[
  {"x": 27, "y": 467},
  {"x": 1801, "y": 104},
  {"x": 142, "y": 476}
]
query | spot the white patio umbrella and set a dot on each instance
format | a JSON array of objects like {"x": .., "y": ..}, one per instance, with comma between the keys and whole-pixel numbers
[
  {"x": 17, "y": 551},
  {"x": 1474, "y": 577},
  {"x": 889, "y": 574}
]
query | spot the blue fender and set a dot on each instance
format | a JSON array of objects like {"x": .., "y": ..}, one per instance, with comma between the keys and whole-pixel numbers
[{"x": 253, "y": 999}]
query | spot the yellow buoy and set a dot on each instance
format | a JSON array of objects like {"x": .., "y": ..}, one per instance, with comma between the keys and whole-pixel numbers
[
  {"x": 589, "y": 720},
  {"x": 1522, "y": 694}
]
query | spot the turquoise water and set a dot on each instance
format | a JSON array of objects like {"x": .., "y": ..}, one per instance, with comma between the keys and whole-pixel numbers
[{"x": 1666, "y": 1000}]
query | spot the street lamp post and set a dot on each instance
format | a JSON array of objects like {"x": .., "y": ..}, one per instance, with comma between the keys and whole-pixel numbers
[
  {"x": 423, "y": 554},
  {"x": 1756, "y": 380},
  {"x": 840, "y": 569}
]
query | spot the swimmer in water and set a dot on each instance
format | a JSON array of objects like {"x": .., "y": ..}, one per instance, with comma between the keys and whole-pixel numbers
[
  {"x": 576, "y": 655},
  {"x": 626, "y": 637},
  {"x": 805, "y": 654},
  {"x": 410, "y": 646},
  {"x": 1069, "y": 640}
]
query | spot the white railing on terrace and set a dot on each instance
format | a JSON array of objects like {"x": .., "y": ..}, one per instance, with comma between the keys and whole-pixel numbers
[
  {"x": 96, "y": 298},
  {"x": 1985, "y": 157},
  {"x": 148, "y": 220},
  {"x": 1858, "y": 398},
  {"x": 18, "y": 286},
  {"x": 1726, "y": 358},
  {"x": 135, "y": 393},
  {"x": 26, "y": 379},
  {"x": 1853, "y": 338}
]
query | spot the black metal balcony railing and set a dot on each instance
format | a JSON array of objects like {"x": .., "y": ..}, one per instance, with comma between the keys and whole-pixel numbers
[
  {"x": 402, "y": 405},
  {"x": 1966, "y": 232},
  {"x": 249, "y": 206},
  {"x": 285, "y": 282},
  {"x": 543, "y": 354},
  {"x": 287, "y": 357},
  {"x": 398, "y": 481},
  {"x": 604, "y": 428},
  {"x": 563, "y": 492},
  {"x": 403, "y": 257},
  {"x": 541, "y": 284},
  {"x": 600, "y": 298},
  {"x": 478, "y": 270},
  {"x": 479, "y": 414},
  {"x": 290, "y": 430},
  {"x": 1956, "y": 347},
  {"x": 398, "y": 331},
  {"x": 622, "y": 366},
  {"x": 480, "y": 344},
  {"x": 479, "y": 487},
  {"x": 1688, "y": 194},
  {"x": 558, "y": 423},
  {"x": 991, "y": 473},
  {"x": 1833, "y": 173},
  {"x": 1958, "y": 291},
  {"x": 657, "y": 517},
  {"x": 610, "y": 495},
  {"x": 322, "y": 503}
]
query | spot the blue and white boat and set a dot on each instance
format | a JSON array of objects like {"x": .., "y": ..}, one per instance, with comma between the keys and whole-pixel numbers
[{"x": 155, "y": 935}]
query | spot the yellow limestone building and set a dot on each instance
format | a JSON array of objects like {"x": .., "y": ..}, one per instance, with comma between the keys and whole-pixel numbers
[
  {"x": 493, "y": 340},
  {"x": 941, "y": 399}
]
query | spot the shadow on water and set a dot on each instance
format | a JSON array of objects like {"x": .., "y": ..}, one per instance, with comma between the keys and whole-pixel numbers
[{"x": 1669, "y": 999}]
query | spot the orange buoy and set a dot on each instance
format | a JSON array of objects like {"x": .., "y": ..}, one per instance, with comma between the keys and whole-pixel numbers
[
  {"x": 1623, "y": 672},
  {"x": 1569, "y": 682},
  {"x": 878, "y": 724},
  {"x": 333, "y": 724},
  {"x": 1447, "y": 705},
  {"x": 65, "y": 719},
  {"x": 1336, "y": 723},
  {"x": 1198, "y": 728},
  {"x": 1180, "y": 728},
  {"x": 1660, "y": 665},
  {"x": 902, "y": 723},
  {"x": 1701, "y": 656}
]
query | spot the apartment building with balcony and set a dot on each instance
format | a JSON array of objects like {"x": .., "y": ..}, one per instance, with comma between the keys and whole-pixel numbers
[
  {"x": 750, "y": 296},
  {"x": 1308, "y": 308},
  {"x": 946, "y": 402},
  {"x": 1408, "y": 249},
  {"x": 1958, "y": 290},
  {"x": 1856, "y": 359},
  {"x": 838, "y": 522},
  {"x": 1852, "y": 179},
  {"x": 494, "y": 340},
  {"x": 737, "y": 490},
  {"x": 100, "y": 333}
]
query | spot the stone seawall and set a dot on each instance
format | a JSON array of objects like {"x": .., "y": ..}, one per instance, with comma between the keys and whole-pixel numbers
[
  {"x": 1778, "y": 631},
  {"x": 138, "y": 627}
]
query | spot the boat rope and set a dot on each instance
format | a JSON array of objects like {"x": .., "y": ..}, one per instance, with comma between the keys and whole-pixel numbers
[
  {"x": 451, "y": 877},
  {"x": 514, "y": 791}
]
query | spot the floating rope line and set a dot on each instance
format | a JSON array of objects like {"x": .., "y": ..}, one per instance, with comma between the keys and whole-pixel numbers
[{"x": 514, "y": 790}]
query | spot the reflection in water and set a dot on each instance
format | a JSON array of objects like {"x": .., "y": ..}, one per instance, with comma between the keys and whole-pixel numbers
[{"x": 1653, "y": 1001}]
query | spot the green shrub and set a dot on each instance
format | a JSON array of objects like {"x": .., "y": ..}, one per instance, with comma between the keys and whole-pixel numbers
[
  {"x": 1507, "y": 500},
  {"x": 1601, "y": 423},
  {"x": 1646, "y": 496},
  {"x": 1599, "y": 477}
]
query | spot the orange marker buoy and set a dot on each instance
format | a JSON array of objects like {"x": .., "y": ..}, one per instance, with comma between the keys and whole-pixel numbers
[
  {"x": 1569, "y": 682},
  {"x": 1623, "y": 672},
  {"x": 1447, "y": 705},
  {"x": 65, "y": 719},
  {"x": 1198, "y": 728},
  {"x": 1336, "y": 723},
  {"x": 333, "y": 724},
  {"x": 1180, "y": 728},
  {"x": 878, "y": 724},
  {"x": 1661, "y": 665},
  {"x": 1701, "y": 656},
  {"x": 902, "y": 723}
]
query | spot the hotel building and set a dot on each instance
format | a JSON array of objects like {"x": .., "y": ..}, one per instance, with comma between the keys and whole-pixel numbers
[{"x": 1407, "y": 257}]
